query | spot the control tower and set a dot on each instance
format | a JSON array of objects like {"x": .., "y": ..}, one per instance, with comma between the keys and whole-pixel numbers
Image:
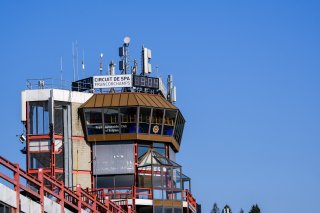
[{"x": 116, "y": 135}]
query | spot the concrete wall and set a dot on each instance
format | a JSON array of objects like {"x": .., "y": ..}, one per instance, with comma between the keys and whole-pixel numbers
[
  {"x": 81, "y": 151},
  {"x": 83, "y": 179},
  {"x": 76, "y": 121}
]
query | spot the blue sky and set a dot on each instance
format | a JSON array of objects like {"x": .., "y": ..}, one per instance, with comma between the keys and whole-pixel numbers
[{"x": 247, "y": 74}]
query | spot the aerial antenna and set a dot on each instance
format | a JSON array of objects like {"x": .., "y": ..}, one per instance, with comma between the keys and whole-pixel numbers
[
  {"x": 172, "y": 90},
  {"x": 134, "y": 69},
  {"x": 73, "y": 62},
  {"x": 146, "y": 57},
  {"x": 112, "y": 68},
  {"x": 82, "y": 63},
  {"x": 77, "y": 60},
  {"x": 123, "y": 53},
  {"x": 61, "y": 71},
  {"x": 101, "y": 57}
]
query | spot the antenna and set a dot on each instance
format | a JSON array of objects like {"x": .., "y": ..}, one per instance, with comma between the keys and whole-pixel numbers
[
  {"x": 112, "y": 68},
  {"x": 123, "y": 53},
  {"x": 73, "y": 63},
  {"x": 61, "y": 70},
  {"x": 101, "y": 57},
  {"x": 146, "y": 57},
  {"x": 77, "y": 59},
  {"x": 82, "y": 63},
  {"x": 134, "y": 69},
  {"x": 172, "y": 90}
]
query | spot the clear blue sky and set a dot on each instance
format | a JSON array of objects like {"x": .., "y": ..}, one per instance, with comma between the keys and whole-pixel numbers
[{"x": 247, "y": 74}]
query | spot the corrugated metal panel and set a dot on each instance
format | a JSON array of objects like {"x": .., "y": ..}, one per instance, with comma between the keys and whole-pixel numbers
[
  {"x": 107, "y": 100},
  {"x": 91, "y": 102},
  {"x": 99, "y": 100},
  {"x": 124, "y": 99},
  {"x": 132, "y": 101},
  {"x": 115, "y": 100}
]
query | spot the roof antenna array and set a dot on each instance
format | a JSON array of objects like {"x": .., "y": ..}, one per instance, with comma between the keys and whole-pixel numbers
[
  {"x": 172, "y": 90},
  {"x": 146, "y": 57},
  {"x": 100, "y": 69},
  {"x": 123, "y": 53}
]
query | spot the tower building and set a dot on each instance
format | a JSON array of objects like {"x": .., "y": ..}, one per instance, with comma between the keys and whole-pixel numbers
[{"x": 114, "y": 136}]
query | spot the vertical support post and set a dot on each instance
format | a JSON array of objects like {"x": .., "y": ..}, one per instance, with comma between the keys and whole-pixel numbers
[
  {"x": 52, "y": 151},
  {"x": 41, "y": 189},
  {"x": 61, "y": 196},
  {"x": 17, "y": 186},
  {"x": 27, "y": 137},
  {"x": 51, "y": 129},
  {"x": 129, "y": 209},
  {"x": 94, "y": 203},
  {"x": 107, "y": 203},
  {"x": 78, "y": 192}
]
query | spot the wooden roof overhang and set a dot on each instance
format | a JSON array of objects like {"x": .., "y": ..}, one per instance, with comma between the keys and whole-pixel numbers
[{"x": 127, "y": 99}]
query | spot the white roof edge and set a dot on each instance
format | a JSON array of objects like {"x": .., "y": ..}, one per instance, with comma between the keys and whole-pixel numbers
[{"x": 58, "y": 95}]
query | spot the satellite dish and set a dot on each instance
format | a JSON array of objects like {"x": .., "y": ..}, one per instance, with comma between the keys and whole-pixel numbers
[{"x": 126, "y": 40}]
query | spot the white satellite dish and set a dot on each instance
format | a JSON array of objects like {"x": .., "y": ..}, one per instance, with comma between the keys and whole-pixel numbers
[{"x": 126, "y": 40}]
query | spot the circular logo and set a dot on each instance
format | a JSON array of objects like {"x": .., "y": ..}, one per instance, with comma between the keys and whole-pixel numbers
[{"x": 155, "y": 129}]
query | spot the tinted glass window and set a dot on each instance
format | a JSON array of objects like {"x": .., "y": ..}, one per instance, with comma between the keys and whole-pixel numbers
[
  {"x": 156, "y": 123},
  {"x": 169, "y": 121},
  {"x": 93, "y": 119},
  {"x": 39, "y": 118},
  {"x": 111, "y": 121},
  {"x": 128, "y": 118},
  {"x": 144, "y": 120}
]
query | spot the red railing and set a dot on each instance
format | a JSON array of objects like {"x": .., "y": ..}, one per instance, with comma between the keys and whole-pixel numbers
[
  {"x": 45, "y": 186},
  {"x": 138, "y": 193},
  {"x": 187, "y": 196}
]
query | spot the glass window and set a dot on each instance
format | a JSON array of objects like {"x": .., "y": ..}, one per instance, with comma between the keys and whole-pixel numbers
[
  {"x": 176, "y": 178},
  {"x": 156, "y": 176},
  {"x": 111, "y": 121},
  {"x": 144, "y": 120},
  {"x": 40, "y": 160},
  {"x": 156, "y": 123},
  {"x": 39, "y": 118},
  {"x": 105, "y": 181},
  {"x": 168, "y": 210},
  {"x": 157, "y": 194},
  {"x": 142, "y": 149},
  {"x": 169, "y": 121},
  {"x": 93, "y": 118},
  {"x": 144, "y": 177},
  {"x": 123, "y": 180},
  {"x": 58, "y": 120},
  {"x": 179, "y": 128},
  {"x": 177, "y": 210},
  {"x": 128, "y": 118},
  {"x": 115, "y": 181},
  {"x": 158, "y": 209}
]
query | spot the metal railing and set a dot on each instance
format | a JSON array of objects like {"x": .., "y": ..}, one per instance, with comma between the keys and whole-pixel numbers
[{"x": 45, "y": 186}]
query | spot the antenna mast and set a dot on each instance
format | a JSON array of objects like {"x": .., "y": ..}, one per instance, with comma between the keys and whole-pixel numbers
[
  {"x": 123, "y": 53},
  {"x": 83, "y": 66},
  {"x": 101, "y": 57},
  {"x": 73, "y": 62},
  {"x": 61, "y": 70},
  {"x": 77, "y": 60}
]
